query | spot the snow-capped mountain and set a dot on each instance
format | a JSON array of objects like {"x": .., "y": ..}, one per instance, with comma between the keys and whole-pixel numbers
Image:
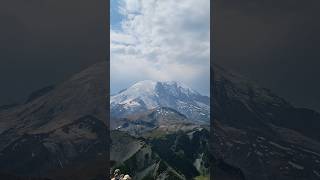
[{"x": 147, "y": 95}]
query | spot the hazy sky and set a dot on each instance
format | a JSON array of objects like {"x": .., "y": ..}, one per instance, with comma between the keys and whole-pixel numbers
[
  {"x": 160, "y": 40},
  {"x": 273, "y": 42},
  {"x": 45, "y": 42}
]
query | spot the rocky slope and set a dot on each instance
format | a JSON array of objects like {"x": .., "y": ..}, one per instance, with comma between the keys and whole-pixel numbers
[
  {"x": 176, "y": 141},
  {"x": 59, "y": 131},
  {"x": 166, "y": 145},
  {"x": 137, "y": 158},
  {"x": 261, "y": 134},
  {"x": 160, "y": 119}
]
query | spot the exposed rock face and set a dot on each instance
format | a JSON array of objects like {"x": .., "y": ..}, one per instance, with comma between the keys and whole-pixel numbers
[
  {"x": 137, "y": 158},
  {"x": 159, "y": 119}
]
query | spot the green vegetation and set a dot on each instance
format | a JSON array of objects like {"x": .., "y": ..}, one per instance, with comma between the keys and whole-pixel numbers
[{"x": 202, "y": 178}]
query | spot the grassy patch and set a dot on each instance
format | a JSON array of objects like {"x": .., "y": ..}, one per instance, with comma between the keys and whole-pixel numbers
[{"x": 202, "y": 178}]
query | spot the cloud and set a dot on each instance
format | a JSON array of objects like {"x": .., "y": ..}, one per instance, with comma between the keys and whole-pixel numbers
[{"x": 162, "y": 40}]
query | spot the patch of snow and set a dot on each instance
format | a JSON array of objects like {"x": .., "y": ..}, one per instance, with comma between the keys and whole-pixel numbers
[
  {"x": 279, "y": 146},
  {"x": 311, "y": 152},
  {"x": 296, "y": 166},
  {"x": 316, "y": 173},
  {"x": 259, "y": 153},
  {"x": 239, "y": 142}
]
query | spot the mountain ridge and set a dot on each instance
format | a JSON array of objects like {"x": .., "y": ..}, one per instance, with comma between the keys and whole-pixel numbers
[
  {"x": 261, "y": 134},
  {"x": 146, "y": 95},
  {"x": 256, "y": 135},
  {"x": 63, "y": 128}
]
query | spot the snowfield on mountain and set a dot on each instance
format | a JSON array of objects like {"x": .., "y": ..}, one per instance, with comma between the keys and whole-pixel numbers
[{"x": 148, "y": 95}]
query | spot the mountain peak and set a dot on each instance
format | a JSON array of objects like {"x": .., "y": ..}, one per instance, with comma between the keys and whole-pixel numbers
[
  {"x": 151, "y": 85},
  {"x": 141, "y": 87},
  {"x": 148, "y": 94},
  {"x": 145, "y": 83},
  {"x": 180, "y": 87}
]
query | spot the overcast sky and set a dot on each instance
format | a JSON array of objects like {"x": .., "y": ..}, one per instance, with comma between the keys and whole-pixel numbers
[
  {"x": 45, "y": 42},
  {"x": 273, "y": 42},
  {"x": 160, "y": 40}
]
